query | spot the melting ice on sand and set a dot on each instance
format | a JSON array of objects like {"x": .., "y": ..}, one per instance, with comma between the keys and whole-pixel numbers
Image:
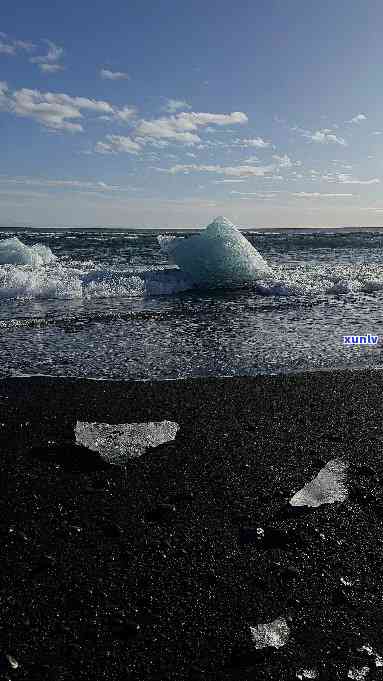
[
  {"x": 326, "y": 488},
  {"x": 274, "y": 634},
  {"x": 219, "y": 256},
  {"x": 123, "y": 441}
]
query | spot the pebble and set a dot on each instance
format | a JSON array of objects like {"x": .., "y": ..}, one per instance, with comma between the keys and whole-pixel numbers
[
  {"x": 124, "y": 629},
  {"x": 160, "y": 512},
  {"x": 112, "y": 530}
]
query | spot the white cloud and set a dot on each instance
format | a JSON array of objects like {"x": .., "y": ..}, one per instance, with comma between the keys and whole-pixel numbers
[
  {"x": 113, "y": 75},
  {"x": 226, "y": 181},
  {"x": 117, "y": 144},
  {"x": 49, "y": 63},
  {"x": 182, "y": 127},
  {"x": 57, "y": 111},
  {"x": 173, "y": 105},
  {"x": 345, "y": 178},
  {"x": 285, "y": 161},
  {"x": 258, "y": 195},
  {"x": 326, "y": 137},
  {"x": 377, "y": 132},
  {"x": 125, "y": 114},
  {"x": 257, "y": 142},
  {"x": 319, "y": 195},
  {"x": 358, "y": 118},
  {"x": 12, "y": 47},
  {"x": 158, "y": 144},
  {"x": 323, "y": 136},
  {"x": 71, "y": 184},
  {"x": 231, "y": 171}
]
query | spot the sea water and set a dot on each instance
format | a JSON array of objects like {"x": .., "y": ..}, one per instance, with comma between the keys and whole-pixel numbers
[{"x": 111, "y": 303}]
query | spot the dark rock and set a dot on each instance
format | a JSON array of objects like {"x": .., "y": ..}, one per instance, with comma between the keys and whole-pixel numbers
[
  {"x": 69, "y": 456},
  {"x": 288, "y": 573},
  {"x": 124, "y": 629},
  {"x": 44, "y": 563},
  {"x": 112, "y": 530},
  {"x": 366, "y": 470},
  {"x": 250, "y": 535},
  {"x": 288, "y": 511},
  {"x": 342, "y": 597},
  {"x": 161, "y": 512}
]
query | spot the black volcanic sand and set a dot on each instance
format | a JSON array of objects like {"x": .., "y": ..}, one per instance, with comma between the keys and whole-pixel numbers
[{"x": 160, "y": 576}]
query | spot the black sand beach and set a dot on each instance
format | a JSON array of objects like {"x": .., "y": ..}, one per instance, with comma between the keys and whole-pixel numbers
[{"x": 159, "y": 577}]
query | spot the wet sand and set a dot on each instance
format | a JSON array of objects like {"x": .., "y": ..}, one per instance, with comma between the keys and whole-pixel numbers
[{"x": 159, "y": 575}]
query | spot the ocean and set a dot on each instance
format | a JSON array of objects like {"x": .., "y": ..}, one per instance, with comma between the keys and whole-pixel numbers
[{"x": 111, "y": 306}]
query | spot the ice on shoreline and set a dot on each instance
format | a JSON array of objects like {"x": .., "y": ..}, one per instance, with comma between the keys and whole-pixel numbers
[
  {"x": 326, "y": 488},
  {"x": 220, "y": 256},
  {"x": 14, "y": 252},
  {"x": 117, "y": 443}
]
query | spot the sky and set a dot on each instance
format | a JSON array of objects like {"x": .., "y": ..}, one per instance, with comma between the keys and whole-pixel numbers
[{"x": 168, "y": 114}]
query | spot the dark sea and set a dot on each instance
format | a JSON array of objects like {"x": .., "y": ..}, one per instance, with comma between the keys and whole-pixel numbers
[{"x": 110, "y": 305}]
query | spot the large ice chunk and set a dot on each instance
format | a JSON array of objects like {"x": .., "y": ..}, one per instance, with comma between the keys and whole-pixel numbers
[
  {"x": 326, "y": 488},
  {"x": 220, "y": 256},
  {"x": 123, "y": 441},
  {"x": 14, "y": 252}
]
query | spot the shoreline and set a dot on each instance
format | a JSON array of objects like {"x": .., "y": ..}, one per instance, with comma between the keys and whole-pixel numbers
[{"x": 148, "y": 576}]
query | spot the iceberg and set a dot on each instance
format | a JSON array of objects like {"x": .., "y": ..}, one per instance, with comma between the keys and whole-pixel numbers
[
  {"x": 218, "y": 257},
  {"x": 14, "y": 252}
]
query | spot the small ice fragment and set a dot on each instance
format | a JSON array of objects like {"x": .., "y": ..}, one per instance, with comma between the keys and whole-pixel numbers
[
  {"x": 378, "y": 659},
  {"x": 307, "y": 674},
  {"x": 119, "y": 442},
  {"x": 346, "y": 582},
  {"x": 273, "y": 634},
  {"x": 358, "y": 674},
  {"x": 14, "y": 663},
  {"x": 326, "y": 488}
]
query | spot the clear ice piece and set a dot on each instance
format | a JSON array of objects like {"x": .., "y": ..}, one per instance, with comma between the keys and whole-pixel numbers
[
  {"x": 117, "y": 443},
  {"x": 326, "y": 488}
]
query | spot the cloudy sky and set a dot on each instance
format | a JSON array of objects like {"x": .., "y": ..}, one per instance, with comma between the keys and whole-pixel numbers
[{"x": 168, "y": 114}]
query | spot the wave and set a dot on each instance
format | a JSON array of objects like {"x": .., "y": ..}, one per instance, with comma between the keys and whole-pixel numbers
[{"x": 33, "y": 273}]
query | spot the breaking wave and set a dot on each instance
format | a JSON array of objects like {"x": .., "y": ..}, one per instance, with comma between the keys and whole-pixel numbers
[{"x": 34, "y": 272}]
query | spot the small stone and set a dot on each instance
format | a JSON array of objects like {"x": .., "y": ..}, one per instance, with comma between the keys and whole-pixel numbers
[
  {"x": 46, "y": 561},
  {"x": 366, "y": 470},
  {"x": 340, "y": 598},
  {"x": 112, "y": 530},
  {"x": 288, "y": 573},
  {"x": 160, "y": 512},
  {"x": 124, "y": 629}
]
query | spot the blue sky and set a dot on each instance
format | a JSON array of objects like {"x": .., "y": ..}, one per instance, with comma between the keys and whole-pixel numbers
[{"x": 168, "y": 114}]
